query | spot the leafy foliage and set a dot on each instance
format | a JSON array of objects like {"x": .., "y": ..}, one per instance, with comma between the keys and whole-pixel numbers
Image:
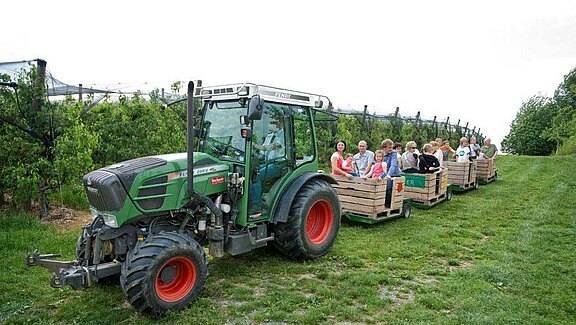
[
  {"x": 563, "y": 128},
  {"x": 43, "y": 144},
  {"x": 134, "y": 128},
  {"x": 526, "y": 135},
  {"x": 543, "y": 124}
]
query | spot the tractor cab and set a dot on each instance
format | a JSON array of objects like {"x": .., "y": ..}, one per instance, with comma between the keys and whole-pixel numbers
[{"x": 265, "y": 133}]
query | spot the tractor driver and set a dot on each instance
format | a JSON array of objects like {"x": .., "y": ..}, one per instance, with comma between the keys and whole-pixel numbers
[
  {"x": 273, "y": 144},
  {"x": 273, "y": 149}
]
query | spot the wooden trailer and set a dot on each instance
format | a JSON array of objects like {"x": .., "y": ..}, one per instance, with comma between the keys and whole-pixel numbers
[
  {"x": 363, "y": 200},
  {"x": 461, "y": 175},
  {"x": 427, "y": 190},
  {"x": 486, "y": 171}
]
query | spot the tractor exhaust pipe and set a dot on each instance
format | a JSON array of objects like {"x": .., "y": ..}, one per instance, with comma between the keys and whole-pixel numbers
[
  {"x": 216, "y": 230},
  {"x": 191, "y": 115}
]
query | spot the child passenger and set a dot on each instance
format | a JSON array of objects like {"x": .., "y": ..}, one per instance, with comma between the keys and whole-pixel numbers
[
  {"x": 446, "y": 150},
  {"x": 428, "y": 163},
  {"x": 463, "y": 152},
  {"x": 379, "y": 169},
  {"x": 348, "y": 165}
]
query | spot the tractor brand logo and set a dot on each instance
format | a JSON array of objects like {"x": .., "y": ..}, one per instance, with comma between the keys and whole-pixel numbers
[
  {"x": 217, "y": 180},
  {"x": 198, "y": 171},
  {"x": 92, "y": 189},
  {"x": 282, "y": 95}
]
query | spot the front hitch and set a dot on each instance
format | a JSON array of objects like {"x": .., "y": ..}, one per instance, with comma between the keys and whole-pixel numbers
[{"x": 70, "y": 273}]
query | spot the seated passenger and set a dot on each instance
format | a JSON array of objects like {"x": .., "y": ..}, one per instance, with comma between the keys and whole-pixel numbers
[
  {"x": 490, "y": 150},
  {"x": 398, "y": 148},
  {"x": 410, "y": 158},
  {"x": 446, "y": 150},
  {"x": 392, "y": 166},
  {"x": 463, "y": 152},
  {"x": 336, "y": 160},
  {"x": 437, "y": 152},
  {"x": 474, "y": 148},
  {"x": 379, "y": 169},
  {"x": 428, "y": 162},
  {"x": 348, "y": 165},
  {"x": 364, "y": 158}
]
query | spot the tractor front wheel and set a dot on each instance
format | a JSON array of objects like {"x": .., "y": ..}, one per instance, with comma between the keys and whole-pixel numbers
[
  {"x": 166, "y": 272},
  {"x": 312, "y": 224}
]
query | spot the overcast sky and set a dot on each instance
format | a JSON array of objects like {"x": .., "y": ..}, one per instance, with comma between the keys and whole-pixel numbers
[{"x": 471, "y": 60}]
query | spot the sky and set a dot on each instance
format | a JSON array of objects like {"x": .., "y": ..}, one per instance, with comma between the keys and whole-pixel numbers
[{"x": 476, "y": 61}]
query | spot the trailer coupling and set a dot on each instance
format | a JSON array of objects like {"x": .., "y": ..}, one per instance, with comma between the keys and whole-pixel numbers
[{"x": 70, "y": 273}]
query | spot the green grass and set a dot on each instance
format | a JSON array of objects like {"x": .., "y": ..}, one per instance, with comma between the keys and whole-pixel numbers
[{"x": 502, "y": 254}]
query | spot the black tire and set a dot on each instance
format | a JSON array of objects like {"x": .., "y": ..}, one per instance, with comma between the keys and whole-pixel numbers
[
  {"x": 406, "y": 210},
  {"x": 178, "y": 258},
  {"x": 313, "y": 222},
  {"x": 448, "y": 194}
]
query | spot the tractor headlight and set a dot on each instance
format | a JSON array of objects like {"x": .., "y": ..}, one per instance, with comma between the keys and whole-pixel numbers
[{"x": 109, "y": 220}]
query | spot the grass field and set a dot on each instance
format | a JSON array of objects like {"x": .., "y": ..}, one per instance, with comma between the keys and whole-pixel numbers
[{"x": 502, "y": 254}]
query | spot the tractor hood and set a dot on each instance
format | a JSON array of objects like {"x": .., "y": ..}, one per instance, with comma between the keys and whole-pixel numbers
[{"x": 151, "y": 184}]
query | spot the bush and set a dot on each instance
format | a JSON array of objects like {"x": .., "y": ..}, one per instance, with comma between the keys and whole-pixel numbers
[{"x": 568, "y": 147}]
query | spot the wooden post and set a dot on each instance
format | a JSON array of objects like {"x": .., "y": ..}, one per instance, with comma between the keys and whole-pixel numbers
[{"x": 79, "y": 92}]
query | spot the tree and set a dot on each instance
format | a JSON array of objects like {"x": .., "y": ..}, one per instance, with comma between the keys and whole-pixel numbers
[
  {"x": 563, "y": 126},
  {"x": 527, "y": 131},
  {"x": 43, "y": 145}
]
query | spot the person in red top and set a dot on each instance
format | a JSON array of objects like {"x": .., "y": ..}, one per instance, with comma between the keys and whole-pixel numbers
[{"x": 337, "y": 158}]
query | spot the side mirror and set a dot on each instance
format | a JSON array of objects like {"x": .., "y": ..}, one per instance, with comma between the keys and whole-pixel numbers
[{"x": 255, "y": 108}]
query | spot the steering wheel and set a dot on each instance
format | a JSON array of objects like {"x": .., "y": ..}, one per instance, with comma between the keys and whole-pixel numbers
[{"x": 221, "y": 148}]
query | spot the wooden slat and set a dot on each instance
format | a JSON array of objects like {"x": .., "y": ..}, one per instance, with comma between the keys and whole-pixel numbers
[
  {"x": 361, "y": 201},
  {"x": 365, "y": 194}
]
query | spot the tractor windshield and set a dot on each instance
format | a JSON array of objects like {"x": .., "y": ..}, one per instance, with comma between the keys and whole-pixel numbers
[{"x": 221, "y": 131}]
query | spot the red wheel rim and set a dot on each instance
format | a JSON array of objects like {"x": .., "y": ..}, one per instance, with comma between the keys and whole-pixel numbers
[
  {"x": 180, "y": 283},
  {"x": 319, "y": 222}
]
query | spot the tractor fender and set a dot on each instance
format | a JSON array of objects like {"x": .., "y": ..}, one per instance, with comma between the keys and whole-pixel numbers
[{"x": 285, "y": 202}]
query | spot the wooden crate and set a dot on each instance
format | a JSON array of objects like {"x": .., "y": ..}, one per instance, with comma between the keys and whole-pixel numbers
[
  {"x": 461, "y": 173},
  {"x": 485, "y": 169},
  {"x": 368, "y": 196},
  {"x": 426, "y": 188}
]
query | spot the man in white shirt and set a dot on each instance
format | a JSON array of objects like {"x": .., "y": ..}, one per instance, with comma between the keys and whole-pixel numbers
[{"x": 364, "y": 158}]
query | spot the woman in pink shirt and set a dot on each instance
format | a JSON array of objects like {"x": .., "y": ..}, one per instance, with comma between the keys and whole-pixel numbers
[{"x": 337, "y": 159}]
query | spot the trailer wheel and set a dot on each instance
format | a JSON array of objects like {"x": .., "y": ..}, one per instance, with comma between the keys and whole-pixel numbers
[
  {"x": 166, "y": 272},
  {"x": 406, "y": 210},
  {"x": 313, "y": 223}
]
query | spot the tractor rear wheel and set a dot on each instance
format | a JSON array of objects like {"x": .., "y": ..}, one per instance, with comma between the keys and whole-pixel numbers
[
  {"x": 312, "y": 224},
  {"x": 165, "y": 272}
]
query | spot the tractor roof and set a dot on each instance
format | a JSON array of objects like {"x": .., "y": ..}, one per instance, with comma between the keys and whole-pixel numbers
[{"x": 272, "y": 94}]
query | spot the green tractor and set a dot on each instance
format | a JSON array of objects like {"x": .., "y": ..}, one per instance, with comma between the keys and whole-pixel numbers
[{"x": 248, "y": 179}]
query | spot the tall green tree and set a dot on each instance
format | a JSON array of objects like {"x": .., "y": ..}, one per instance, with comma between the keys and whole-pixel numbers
[{"x": 527, "y": 134}]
